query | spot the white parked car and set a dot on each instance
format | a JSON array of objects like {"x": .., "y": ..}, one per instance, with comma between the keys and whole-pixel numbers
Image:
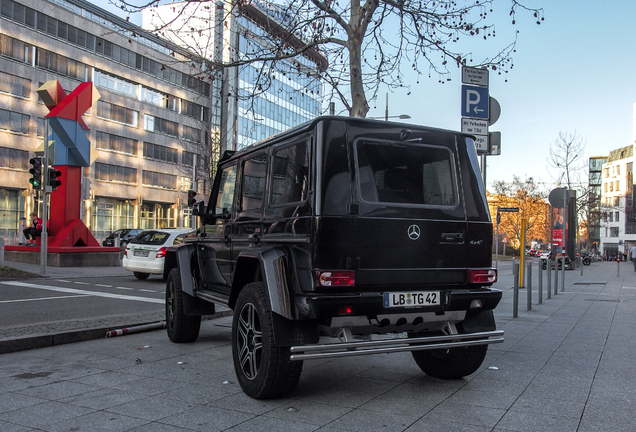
[{"x": 145, "y": 254}]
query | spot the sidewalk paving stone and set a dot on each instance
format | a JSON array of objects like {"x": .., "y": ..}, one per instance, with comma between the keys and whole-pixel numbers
[{"x": 564, "y": 366}]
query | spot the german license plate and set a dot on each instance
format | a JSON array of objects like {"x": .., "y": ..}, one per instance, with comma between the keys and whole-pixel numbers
[
  {"x": 141, "y": 253},
  {"x": 410, "y": 299}
]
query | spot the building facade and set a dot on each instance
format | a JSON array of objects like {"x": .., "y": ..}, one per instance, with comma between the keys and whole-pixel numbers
[
  {"x": 153, "y": 115},
  {"x": 595, "y": 186},
  {"x": 617, "y": 223},
  {"x": 260, "y": 98}
]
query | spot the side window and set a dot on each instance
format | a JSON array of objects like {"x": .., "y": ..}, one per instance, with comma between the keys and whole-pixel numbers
[
  {"x": 225, "y": 198},
  {"x": 290, "y": 174},
  {"x": 253, "y": 187},
  {"x": 178, "y": 239}
]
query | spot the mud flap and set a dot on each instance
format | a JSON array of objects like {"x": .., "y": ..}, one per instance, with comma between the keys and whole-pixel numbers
[
  {"x": 289, "y": 333},
  {"x": 196, "y": 307},
  {"x": 477, "y": 321}
]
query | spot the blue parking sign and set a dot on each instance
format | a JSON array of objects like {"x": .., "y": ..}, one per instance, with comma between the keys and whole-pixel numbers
[{"x": 475, "y": 102}]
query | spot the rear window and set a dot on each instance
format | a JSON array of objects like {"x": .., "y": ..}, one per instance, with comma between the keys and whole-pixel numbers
[
  {"x": 154, "y": 238},
  {"x": 406, "y": 174}
]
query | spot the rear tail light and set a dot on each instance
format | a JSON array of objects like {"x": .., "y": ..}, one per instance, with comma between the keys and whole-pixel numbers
[
  {"x": 329, "y": 278},
  {"x": 161, "y": 252},
  {"x": 482, "y": 276}
]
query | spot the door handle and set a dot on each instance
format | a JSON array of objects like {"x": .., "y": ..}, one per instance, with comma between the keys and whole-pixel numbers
[{"x": 452, "y": 238}]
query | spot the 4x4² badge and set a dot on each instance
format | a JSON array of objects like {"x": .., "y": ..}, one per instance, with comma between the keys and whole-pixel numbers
[{"x": 413, "y": 232}]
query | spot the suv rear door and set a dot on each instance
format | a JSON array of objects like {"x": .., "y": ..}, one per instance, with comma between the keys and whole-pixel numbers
[{"x": 412, "y": 228}]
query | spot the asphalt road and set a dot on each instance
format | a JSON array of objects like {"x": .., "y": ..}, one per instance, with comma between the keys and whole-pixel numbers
[{"x": 41, "y": 301}]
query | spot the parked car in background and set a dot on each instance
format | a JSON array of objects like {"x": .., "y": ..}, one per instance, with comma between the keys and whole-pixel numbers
[
  {"x": 125, "y": 236},
  {"x": 145, "y": 254},
  {"x": 568, "y": 262}
]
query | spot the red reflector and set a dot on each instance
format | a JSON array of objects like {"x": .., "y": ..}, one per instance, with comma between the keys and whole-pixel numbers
[
  {"x": 345, "y": 310},
  {"x": 161, "y": 252},
  {"x": 482, "y": 276},
  {"x": 335, "y": 278}
]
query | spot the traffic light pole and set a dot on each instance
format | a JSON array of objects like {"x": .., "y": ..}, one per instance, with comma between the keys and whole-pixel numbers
[
  {"x": 45, "y": 202},
  {"x": 193, "y": 223}
]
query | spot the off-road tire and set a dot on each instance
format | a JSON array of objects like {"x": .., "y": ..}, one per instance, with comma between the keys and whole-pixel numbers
[
  {"x": 451, "y": 363},
  {"x": 180, "y": 328},
  {"x": 141, "y": 276},
  {"x": 263, "y": 369}
]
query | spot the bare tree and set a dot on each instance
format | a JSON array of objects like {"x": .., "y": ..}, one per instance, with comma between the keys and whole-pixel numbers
[
  {"x": 367, "y": 44},
  {"x": 571, "y": 168}
]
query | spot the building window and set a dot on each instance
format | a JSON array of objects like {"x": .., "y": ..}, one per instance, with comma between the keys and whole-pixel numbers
[
  {"x": 616, "y": 186},
  {"x": 14, "y": 48},
  {"x": 157, "y": 179},
  {"x": 14, "y": 122},
  {"x": 61, "y": 65},
  {"x": 117, "y": 113},
  {"x": 115, "y": 84},
  {"x": 616, "y": 217},
  {"x": 115, "y": 173},
  {"x": 160, "y": 125},
  {"x": 161, "y": 153},
  {"x": 154, "y": 97},
  {"x": 191, "y": 134},
  {"x": 193, "y": 110},
  {"x": 15, "y": 85},
  {"x": 14, "y": 158},
  {"x": 115, "y": 143},
  {"x": 112, "y": 214},
  {"x": 613, "y": 232}
]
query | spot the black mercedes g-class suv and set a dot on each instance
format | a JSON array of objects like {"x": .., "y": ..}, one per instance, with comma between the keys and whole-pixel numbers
[{"x": 342, "y": 237}]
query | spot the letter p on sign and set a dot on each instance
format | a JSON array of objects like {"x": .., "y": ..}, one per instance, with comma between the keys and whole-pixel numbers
[{"x": 475, "y": 102}]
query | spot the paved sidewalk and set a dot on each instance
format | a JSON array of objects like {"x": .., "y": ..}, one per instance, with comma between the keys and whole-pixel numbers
[{"x": 566, "y": 365}]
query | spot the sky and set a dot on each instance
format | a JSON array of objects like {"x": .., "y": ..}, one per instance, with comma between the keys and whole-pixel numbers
[{"x": 574, "y": 73}]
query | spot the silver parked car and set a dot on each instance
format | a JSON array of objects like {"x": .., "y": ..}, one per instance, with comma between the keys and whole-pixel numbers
[{"x": 145, "y": 254}]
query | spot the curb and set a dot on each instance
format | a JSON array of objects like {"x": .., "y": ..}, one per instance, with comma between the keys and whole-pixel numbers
[{"x": 48, "y": 340}]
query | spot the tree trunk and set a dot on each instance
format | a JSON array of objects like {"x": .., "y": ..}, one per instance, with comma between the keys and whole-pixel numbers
[{"x": 359, "y": 105}]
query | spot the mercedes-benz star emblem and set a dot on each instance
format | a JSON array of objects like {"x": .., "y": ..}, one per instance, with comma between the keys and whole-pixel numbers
[{"x": 414, "y": 232}]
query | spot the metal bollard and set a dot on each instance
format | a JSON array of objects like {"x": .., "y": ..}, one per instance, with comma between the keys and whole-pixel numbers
[
  {"x": 529, "y": 286},
  {"x": 563, "y": 275},
  {"x": 556, "y": 277},
  {"x": 549, "y": 278},
  {"x": 540, "y": 288},
  {"x": 515, "y": 293},
  {"x": 581, "y": 264},
  {"x": 1, "y": 252},
  {"x": 618, "y": 267}
]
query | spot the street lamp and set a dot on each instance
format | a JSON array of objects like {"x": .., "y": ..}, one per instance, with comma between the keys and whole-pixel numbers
[{"x": 386, "y": 113}]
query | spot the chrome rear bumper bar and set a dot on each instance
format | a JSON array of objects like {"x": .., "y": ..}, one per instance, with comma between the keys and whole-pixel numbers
[{"x": 347, "y": 349}]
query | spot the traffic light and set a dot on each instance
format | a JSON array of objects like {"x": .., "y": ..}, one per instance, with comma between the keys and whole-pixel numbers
[
  {"x": 53, "y": 177},
  {"x": 36, "y": 172},
  {"x": 191, "y": 197}
]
